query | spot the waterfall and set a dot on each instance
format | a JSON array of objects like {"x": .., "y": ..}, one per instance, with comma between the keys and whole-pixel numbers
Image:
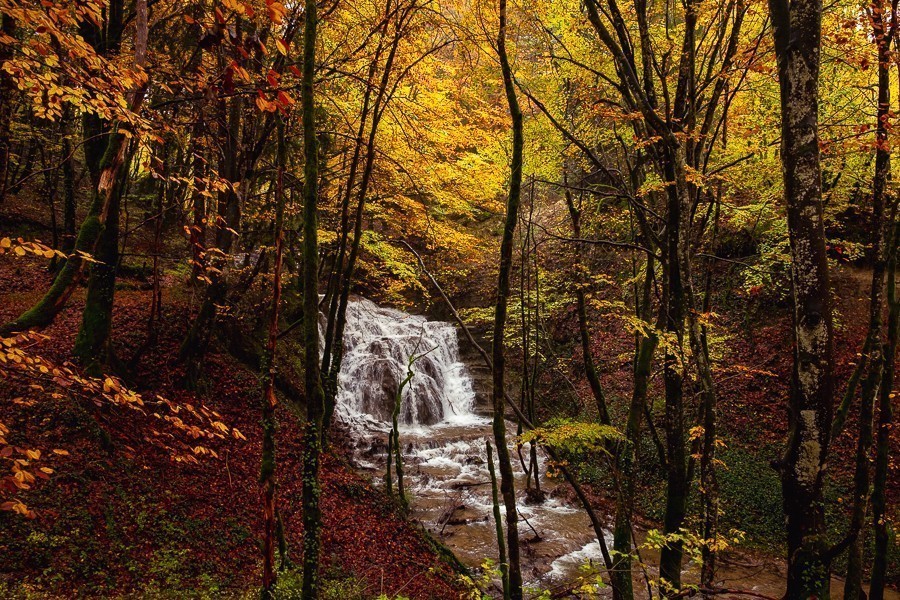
[
  {"x": 443, "y": 441},
  {"x": 378, "y": 344}
]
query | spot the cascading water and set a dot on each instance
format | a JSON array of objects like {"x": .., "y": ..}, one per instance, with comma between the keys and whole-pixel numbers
[
  {"x": 378, "y": 344},
  {"x": 443, "y": 441}
]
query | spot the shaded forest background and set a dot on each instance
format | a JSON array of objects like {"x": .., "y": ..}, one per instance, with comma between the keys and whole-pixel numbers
[{"x": 165, "y": 236}]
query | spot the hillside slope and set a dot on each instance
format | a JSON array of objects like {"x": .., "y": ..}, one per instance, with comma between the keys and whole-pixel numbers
[{"x": 119, "y": 517}]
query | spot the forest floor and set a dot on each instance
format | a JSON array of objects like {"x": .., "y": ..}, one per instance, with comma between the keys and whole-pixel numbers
[{"x": 119, "y": 517}]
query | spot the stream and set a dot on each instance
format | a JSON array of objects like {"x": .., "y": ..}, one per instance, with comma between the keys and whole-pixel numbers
[{"x": 443, "y": 430}]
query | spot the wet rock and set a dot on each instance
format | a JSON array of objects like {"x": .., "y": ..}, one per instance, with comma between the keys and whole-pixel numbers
[{"x": 534, "y": 496}]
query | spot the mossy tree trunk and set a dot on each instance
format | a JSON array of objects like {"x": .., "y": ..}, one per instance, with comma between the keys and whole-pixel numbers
[
  {"x": 92, "y": 341},
  {"x": 315, "y": 396}
]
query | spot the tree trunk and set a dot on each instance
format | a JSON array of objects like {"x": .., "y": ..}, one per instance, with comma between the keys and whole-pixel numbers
[
  {"x": 507, "y": 484},
  {"x": 315, "y": 396},
  {"x": 677, "y": 282},
  {"x": 861, "y": 479},
  {"x": 590, "y": 369},
  {"x": 91, "y": 343},
  {"x": 885, "y": 425},
  {"x": 498, "y": 522},
  {"x": 267, "y": 470},
  {"x": 797, "y": 30},
  {"x": 626, "y": 457}
]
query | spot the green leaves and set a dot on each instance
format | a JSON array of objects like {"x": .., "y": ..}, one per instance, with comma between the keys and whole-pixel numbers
[{"x": 573, "y": 436}]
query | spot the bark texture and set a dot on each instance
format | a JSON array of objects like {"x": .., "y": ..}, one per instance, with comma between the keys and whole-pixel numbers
[{"x": 797, "y": 29}]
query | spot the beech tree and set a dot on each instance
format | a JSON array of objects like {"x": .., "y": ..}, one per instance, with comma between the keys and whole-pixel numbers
[{"x": 797, "y": 27}]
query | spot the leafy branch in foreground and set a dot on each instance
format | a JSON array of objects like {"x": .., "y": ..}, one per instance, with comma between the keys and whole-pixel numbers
[
  {"x": 573, "y": 436},
  {"x": 185, "y": 435}
]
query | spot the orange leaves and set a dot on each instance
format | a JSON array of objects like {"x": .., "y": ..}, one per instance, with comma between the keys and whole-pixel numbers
[
  {"x": 17, "y": 506},
  {"x": 284, "y": 99},
  {"x": 54, "y": 67},
  {"x": 282, "y": 46},
  {"x": 200, "y": 450},
  {"x": 276, "y": 11},
  {"x": 240, "y": 72},
  {"x": 265, "y": 105},
  {"x": 19, "y": 473},
  {"x": 197, "y": 422}
]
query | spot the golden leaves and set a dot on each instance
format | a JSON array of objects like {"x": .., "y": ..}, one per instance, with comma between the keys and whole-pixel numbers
[
  {"x": 19, "y": 247},
  {"x": 17, "y": 360}
]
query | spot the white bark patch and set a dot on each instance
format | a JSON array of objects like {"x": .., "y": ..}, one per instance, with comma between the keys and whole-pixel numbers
[
  {"x": 810, "y": 340},
  {"x": 808, "y": 466}
]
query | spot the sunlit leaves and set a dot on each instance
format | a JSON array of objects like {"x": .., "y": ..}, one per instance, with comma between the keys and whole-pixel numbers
[
  {"x": 573, "y": 436},
  {"x": 20, "y": 247}
]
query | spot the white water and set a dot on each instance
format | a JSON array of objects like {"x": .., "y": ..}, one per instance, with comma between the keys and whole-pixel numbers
[
  {"x": 443, "y": 440},
  {"x": 378, "y": 344}
]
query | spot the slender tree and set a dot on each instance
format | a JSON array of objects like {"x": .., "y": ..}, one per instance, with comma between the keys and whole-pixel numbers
[
  {"x": 498, "y": 522},
  {"x": 315, "y": 395},
  {"x": 267, "y": 471},
  {"x": 507, "y": 484},
  {"x": 883, "y": 26},
  {"x": 883, "y": 436}
]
